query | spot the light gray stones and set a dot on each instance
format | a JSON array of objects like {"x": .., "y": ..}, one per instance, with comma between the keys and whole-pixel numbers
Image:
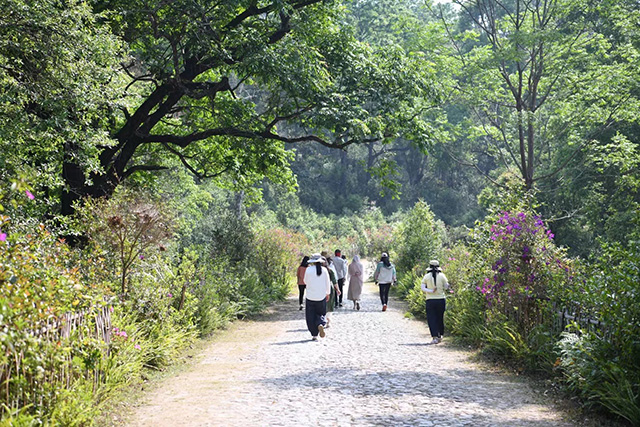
[{"x": 373, "y": 368}]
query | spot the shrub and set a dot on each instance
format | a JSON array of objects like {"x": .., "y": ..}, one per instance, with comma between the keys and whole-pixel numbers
[
  {"x": 127, "y": 226},
  {"x": 526, "y": 267},
  {"x": 418, "y": 239},
  {"x": 601, "y": 366}
]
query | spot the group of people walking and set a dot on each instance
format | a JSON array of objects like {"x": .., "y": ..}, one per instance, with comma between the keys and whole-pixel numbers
[{"x": 323, "y": 279}]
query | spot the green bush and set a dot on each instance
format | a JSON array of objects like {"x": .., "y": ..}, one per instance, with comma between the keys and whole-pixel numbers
[
  {"x": 418, "y": 239},
  {"x": 601, "y": 365}
]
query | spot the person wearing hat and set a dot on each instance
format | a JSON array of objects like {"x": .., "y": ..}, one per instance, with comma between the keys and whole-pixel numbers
[
  {"x": 384, "y": 277},
  {"x": 434, "y": 283},
  {"x": 316, "y": 277}
]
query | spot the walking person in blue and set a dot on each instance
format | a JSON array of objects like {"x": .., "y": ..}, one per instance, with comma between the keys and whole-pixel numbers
[
  {"x": 433, "y": 285},
  {"x": 316, "y": 278},
  {"x": 384, "y": 277}
]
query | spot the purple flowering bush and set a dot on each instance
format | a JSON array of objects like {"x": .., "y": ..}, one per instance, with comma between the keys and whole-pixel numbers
[{"x": 523, "y": 268}]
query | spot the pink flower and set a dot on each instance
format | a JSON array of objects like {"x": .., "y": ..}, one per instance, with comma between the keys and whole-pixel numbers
[
  {"x": 137, "y": 347},
  {"x": 29, "y": 195},
  {"x": 3, "y": 237}
]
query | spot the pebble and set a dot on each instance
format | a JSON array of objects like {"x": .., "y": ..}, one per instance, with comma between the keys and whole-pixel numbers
[{"x": 374, "y": 368}]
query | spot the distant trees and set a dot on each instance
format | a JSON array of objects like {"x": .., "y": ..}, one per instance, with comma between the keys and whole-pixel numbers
[{"x": 537, "y": 81}]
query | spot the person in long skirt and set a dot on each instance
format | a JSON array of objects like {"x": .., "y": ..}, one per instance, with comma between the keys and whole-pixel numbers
[
  {"x": 433, "y": 285},
  {"x": 356, "y": 280},
  {"x": 316, "y": 278}
]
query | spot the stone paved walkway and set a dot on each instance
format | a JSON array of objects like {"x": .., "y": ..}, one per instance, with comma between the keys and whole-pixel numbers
[{"x": 373, "y": 368}]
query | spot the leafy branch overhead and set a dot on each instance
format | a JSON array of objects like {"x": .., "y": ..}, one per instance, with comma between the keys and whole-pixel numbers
[{"x": 221, "y": 88}]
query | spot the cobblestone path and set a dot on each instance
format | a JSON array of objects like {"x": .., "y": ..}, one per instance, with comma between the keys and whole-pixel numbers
[{"x": 373, "y": 368}]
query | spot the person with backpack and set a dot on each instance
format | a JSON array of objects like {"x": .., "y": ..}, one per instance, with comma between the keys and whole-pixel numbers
[
  {"x": 434, "y": 283},
  {"x": 384, "y": 277}
]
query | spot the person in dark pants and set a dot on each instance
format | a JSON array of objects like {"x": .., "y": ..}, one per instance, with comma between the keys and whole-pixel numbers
[
  {"x": 300, "y": 275},
  {"x": 384, "y": 277},
  {"x": 316, "y": 277},
  {"x": 434, "y": 283},
  {"x": 340, "y": 265}
]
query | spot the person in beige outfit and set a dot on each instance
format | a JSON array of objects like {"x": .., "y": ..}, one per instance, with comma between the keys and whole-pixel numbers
[
  {"x": 433, "y": 285},
  {"x": 356, "y": 279}
]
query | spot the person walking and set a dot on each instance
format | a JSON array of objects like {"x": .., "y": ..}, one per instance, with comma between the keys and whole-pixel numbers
[
  {"x": 300, "y": 275},
  {"x": 356, "y": 279},
  {"x": 333, "y": 298},
  {"x": 384, "y": 277},
  {"x": 341, "y": 273},
  {"x": 434, "y": 283},
  {"x": 316, "y": 278}
]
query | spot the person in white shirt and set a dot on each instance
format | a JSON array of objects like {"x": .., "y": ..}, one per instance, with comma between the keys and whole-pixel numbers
[
  {"x": 434, "y": 283},
  {"x": 316, "y": 278},
  {"x": 341, "y": 274},
  {"x": 385, "y": 277}
]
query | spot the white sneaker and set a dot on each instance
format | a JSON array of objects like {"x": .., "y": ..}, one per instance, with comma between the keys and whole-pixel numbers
[
  {"x": 314, "y": 338},
  {"x": 321, "y": 331},
  {"x": 435, "y": 340}
]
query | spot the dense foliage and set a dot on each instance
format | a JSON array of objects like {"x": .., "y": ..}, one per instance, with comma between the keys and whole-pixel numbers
[{"x": 500, "y": 137}]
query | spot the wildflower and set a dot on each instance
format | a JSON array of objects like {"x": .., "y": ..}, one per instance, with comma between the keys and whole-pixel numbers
[
  {"x": 3, "y": 237},
  {"x": 29, "y": 195},
  {"x": 137, "y": 347},
  {"x": 141, "y": 256},
  {"x": 170, "y": 295}
]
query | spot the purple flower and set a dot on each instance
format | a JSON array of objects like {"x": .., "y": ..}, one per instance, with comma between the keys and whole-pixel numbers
[
  {"x": 3, "y": 237},
  {"x": 29, "y": 195},
  {"x": 170, "y": 295},
  {"x": 137, "y": 347},
  {"x": 141, "y": 256}
]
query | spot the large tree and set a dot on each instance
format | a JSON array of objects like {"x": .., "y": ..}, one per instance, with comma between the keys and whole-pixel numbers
[
  {"x": 539, "y": 80},
  {"x": 95, "y": 95},
  {"x": 222, "y": 86}
]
